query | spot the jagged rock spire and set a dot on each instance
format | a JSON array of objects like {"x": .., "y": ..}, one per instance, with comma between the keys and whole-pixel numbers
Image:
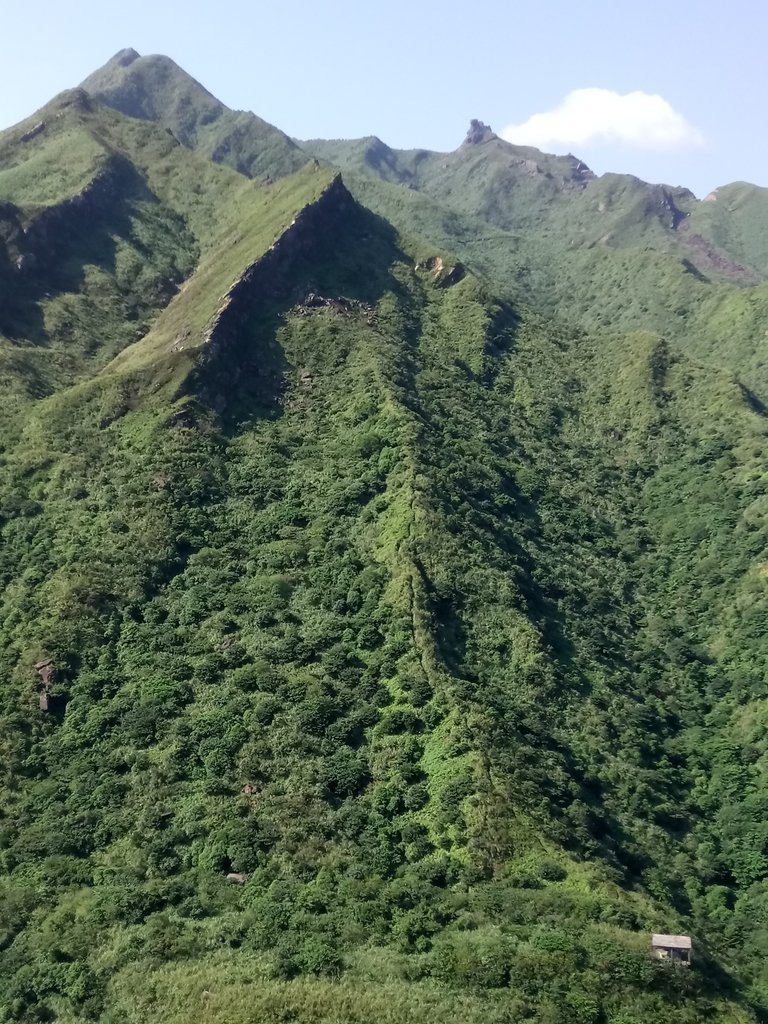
[{"x": 478, "y": 132}]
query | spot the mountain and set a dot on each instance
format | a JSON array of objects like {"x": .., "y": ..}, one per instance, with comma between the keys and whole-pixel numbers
[
  {"x": 518, "y": 188},
  {"x": 383, "y": 577},
  {"x": 156, "y": 89},
  {"x": 610, "y": 253}
]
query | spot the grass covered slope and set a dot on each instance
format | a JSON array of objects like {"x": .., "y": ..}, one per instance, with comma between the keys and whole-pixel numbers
[
  {"x": 154, "y": 88},
  {"x": 519, "y": 188},
  {"x": 542, "y": 227}
]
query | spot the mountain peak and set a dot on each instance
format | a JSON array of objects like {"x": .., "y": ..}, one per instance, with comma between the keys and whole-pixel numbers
[
  {"x": 155, "y": 88},
  {"x": 125, "y": 57},
  {"x": 478, "y": 132},
  {"x": 148, "y": 87}
]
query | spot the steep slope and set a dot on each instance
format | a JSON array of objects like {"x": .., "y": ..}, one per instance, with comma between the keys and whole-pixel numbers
[
  {"x": 225, "y": 300},
  {"x": 156, "y": 89},
  {"x": 566, "y": 226},
  {"x": 88, "y": 253},
  {"x": 735, "y": 218},
  {"x": 512, "y": 186}
]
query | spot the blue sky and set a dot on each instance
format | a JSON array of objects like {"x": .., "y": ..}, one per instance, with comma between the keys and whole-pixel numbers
[{"x": 670, "y": 92}]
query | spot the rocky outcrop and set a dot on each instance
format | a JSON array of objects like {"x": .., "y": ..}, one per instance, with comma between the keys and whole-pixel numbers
[
  {"x": 578, "y": 172},
  {"x": 11, "y": 237},
  {"x": 442, "y": 276},
  {"x": 670, "y": 213},
  {"x": 451, "y": 275},
  {"x": 124, "y": 58},
  {"x": 33, "y": 132},
  {"x": 339, "y": 304},
  {"x": 46, "y": 671},
  {"x": 530, "y": 168},
  {"x": 478, "y": 132}
]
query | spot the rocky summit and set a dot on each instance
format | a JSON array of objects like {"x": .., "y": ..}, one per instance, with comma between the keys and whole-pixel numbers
[
  {"x": 383, "y": 574},
  {"x": 477, "y": 133}
]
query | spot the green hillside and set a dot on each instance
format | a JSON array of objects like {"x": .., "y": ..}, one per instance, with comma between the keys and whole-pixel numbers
[
  {"x": 610, "y": 253},
  {"x": 735, "y": 217},
  {"x": 156, "y": 89},
  {"x": 383, "y": 580}
]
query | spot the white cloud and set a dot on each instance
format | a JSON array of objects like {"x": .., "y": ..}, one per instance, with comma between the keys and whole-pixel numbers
[{"x": 636, "y": 119}]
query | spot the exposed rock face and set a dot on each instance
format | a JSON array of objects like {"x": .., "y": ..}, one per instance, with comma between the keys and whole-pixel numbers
[
  {"x": 708, "y": 258},
  {"x": 33, "y": 132},
  {"x": 46, "y": 671},
  {"x": 11, "y": 235},
  {"x": 478, "y": 132},
  {"x": 442, "y": 276},
  {"x": 24, "y": 262},
  {"x": 580, "y": 174},
  {"x": 340, "y": 304},
  {"x": 530, "y": 168},
  {"x": 671, "y": 215},
  {"x": 451, "y": 276}
]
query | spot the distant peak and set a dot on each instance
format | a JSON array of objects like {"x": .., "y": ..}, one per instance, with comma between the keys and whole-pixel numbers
[
  {"x": 478, "y": 132},
  {"x": 125, "y": 57}
]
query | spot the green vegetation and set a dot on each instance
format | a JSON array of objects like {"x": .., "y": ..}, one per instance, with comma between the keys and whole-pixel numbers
[
  {"x": 407, "y": 640},
  {"x": 155, "y": 89},
  {"x": 735, "y": 217},
  {"x": 612, "y": 253},
  {"x": 54, "y": 170}
]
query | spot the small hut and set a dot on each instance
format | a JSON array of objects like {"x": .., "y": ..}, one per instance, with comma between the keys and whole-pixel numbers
[{"x": 673, "y": 948}]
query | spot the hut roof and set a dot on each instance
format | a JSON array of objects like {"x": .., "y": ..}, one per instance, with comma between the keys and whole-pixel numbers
[{"x": 672, "y": 941}]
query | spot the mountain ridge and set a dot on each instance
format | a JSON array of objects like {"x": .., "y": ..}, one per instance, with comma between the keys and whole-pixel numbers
[{"x": 107, "y": 86}]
